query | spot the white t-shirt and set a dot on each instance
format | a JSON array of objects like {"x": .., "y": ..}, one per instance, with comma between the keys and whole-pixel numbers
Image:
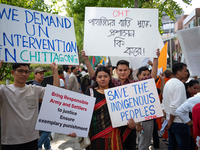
[
  {"x": 62, "y": 83},
  {"x": 19, "y": 113},
  {"x": 174, "y": 95}
]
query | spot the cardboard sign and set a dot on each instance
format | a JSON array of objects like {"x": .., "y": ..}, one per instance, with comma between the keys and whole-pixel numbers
[
  {"x": 189, "y": 41},
  {"x": 137, "y": 100},
  {"x": 121, "y": 32},
  {"x": 64, "y": 111},
  {"x": 28, "y": 36}
]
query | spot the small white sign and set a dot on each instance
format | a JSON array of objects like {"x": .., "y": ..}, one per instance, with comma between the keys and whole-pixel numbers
[
  {"x": 64, "y": 111},
  {"x": 29, "y": 36},
  {"x": 125, "y": 32},
  {"x": 137, "y": 100},
  {"x": 160, "y": 71}
]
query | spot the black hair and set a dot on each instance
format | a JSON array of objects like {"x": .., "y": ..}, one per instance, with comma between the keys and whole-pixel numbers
[
  {"x": 109, "y": 66},
  {"x": 144, "y": 68},
  {"x": 178, "y": 67},
  {"x": 60, "y": 72},
  {"x": 105, "y": 69},
  {"x": 17, "y": 65},
  {"x": 123, "y": 62},
  {"x": 188, "y": 74},
  {"x": 168, "y": 73},
  {"x": 131, "y": 72},
  {"x": 191, "y": 83},
  {"x": 66, "y": 68},
  {"x": 72, "y": 68},
  {"x": 83, "y": 69}
]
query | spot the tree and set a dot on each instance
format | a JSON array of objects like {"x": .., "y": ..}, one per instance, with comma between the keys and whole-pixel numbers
[
  {"x": 5, "y": 72},
  {"x": 76, "y": 9}
]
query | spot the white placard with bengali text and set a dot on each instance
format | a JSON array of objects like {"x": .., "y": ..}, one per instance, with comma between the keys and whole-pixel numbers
[
  {"x": 137, "y": 100},
  {"x": 29, "y": 36},
  {"x": 65, "y": 111},
  {"x": 125, "y": 32}
]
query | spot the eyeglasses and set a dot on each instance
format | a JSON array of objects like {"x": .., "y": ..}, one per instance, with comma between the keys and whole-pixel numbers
[{"x": 23, "y": 71}]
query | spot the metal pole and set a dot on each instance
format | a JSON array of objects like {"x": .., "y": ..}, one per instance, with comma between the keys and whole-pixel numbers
[{"x": 170, "y": 47}]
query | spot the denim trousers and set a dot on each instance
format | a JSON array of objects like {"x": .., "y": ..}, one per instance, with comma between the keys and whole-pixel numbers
[
  {"x": 179, "y": 136},
  {"x": 44, "y": 139}
]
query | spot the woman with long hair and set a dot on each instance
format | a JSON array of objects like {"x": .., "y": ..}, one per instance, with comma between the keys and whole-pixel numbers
[
  {"x": 101, "y": 134},
  {"x": 192, "y": 88}
]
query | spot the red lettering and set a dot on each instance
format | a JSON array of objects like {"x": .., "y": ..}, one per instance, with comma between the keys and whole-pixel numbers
[
  {"x": 150, "y": 117},
  {"x": 118, "y": 13},
  {"x": 53, "y": 94},
  {"x": 126, "y": 12},
  {"x": 114, "y": 13}
]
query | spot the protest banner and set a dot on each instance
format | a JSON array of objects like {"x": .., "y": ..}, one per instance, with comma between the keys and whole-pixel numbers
[
  {"x": 29, "y": 36},
  {"x": 121, "y": 32},
  {"x": 189, "y": 40},
  {"x": 137, "y": 100},
  {"x": 65, "y": 111}
]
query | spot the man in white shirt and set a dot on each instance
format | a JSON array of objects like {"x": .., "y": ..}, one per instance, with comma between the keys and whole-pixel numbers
[
  {"x": 83, "y": 72},
  {"x": 19, "y": 109},
  {"x": 174, "y": 95}
]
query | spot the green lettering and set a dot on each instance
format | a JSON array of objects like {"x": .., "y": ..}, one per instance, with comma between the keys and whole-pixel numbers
[
  {"x": 33, "y": 56},
  {"x": 38, "y": 56},
  {"x": 21, "y": 55},
  {"x": 45, "y": 56},
  {"x": 56, "y": 57}
]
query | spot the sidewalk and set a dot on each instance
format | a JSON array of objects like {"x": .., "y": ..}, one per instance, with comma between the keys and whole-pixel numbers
[{"x": 63, "y": 142}]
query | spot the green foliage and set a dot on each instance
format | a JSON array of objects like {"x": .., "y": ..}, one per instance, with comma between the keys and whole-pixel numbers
[
  {"x": 5, "y": 71},
  {"x": 31, "y": 76},
  {"x": 33, "y": 4},
  {"x": 43, "y": 66}
]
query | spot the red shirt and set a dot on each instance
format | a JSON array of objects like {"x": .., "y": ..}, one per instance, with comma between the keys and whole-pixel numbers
[{"x": 196, "y": 119}]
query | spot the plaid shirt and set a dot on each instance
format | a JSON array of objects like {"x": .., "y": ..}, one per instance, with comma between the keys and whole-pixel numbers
[{"x": 117, "y": 82}]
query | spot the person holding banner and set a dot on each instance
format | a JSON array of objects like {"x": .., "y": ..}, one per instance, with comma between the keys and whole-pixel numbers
[
  {"x": 101, "y": 133},
  {"x": 123, "y": 73},
  {"x": 19, "y": 109},
  {"x": 144, "y": 128}
]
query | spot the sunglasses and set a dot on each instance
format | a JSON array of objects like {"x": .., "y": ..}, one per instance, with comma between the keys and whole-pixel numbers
[{"x": 23, "y": 71}]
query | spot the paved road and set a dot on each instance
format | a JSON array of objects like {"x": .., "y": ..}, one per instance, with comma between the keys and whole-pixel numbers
[{"x": 63, "y": 142}]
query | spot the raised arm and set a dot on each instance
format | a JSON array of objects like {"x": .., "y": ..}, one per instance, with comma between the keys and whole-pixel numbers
[
  {"x": 155, "y": 65},
  {"x": 162, "y": 78},
  {"x": 56, "y": 80},
  {"x": 88, "y": 65},
  {"x": 1, "y": 63}
]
